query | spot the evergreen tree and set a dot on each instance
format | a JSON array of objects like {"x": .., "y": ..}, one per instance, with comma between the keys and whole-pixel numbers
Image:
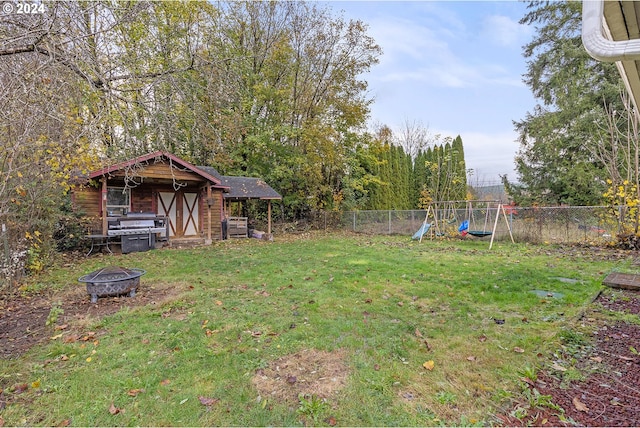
[
  {"x": 459, "y": 184},
  {"x": 555, "y": 163},
  {"x": 419, "y": 178}
]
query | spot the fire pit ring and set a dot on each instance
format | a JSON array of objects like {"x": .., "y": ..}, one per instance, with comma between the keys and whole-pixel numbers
[{"x": 112, "y": 281}]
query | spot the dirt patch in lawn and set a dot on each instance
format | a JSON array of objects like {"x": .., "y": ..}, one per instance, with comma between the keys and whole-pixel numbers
[
  {"x": 23, "y": 319},
  {"x": 308, "y": 373}
]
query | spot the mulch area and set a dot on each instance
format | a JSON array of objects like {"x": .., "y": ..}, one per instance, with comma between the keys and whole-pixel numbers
[{"x": 609, "y": 393}]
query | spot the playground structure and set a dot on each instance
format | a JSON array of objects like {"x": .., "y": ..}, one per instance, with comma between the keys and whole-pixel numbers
[
  {"x": 560, "y": 224},
  {"x": 444, "y": 213}
]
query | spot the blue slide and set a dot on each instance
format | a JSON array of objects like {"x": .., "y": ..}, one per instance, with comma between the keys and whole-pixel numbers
[{"x": 423, "y": 229}]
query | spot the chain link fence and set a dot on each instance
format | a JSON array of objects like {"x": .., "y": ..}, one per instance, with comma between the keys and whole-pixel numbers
[{"x": 529, "y": 224}]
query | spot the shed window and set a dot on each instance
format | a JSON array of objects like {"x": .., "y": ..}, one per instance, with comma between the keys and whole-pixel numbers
[{"x": 118, "y": 201}]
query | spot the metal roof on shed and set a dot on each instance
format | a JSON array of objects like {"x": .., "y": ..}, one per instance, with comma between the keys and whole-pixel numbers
[{"x": 243, "y": 187}]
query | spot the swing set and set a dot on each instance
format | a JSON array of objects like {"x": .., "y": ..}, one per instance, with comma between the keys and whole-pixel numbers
[{"x": 448, "y": 214}]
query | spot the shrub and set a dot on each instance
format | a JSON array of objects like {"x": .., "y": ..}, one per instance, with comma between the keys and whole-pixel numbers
[{"x": 70, "y": 231}]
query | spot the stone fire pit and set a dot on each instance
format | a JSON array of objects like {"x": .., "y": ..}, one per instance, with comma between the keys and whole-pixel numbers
[{"x": 112, "y": 281}]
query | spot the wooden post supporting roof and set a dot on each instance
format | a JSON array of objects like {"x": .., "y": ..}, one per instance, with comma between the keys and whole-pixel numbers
[
  {"x": 269, "y": 217},
  {"x": 103, "y": 201},
  {"x": 209, "y": 200}
]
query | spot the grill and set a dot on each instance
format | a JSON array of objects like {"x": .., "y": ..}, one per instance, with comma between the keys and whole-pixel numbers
[
  {"x": 138, "y": 231},
  {"x": 112, "y": 281}
]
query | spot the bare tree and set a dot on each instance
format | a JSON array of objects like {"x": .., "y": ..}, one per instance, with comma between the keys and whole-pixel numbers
[
  {"x": 618, "y": 149},
  {"x": 415, "y": 137}
]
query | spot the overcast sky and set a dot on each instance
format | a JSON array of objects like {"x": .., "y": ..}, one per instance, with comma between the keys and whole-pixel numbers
[{"x": 456, "y": 68}]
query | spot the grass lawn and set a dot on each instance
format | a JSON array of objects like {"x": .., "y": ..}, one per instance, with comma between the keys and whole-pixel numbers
[{"x": 317, "y": 330}]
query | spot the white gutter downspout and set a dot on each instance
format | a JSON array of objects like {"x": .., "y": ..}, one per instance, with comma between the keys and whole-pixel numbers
[
  {"x": 594, "y": 40},
  {"x": 604, "y": 49}
]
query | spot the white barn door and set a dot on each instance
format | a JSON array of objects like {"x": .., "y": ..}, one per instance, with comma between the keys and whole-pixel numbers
[
  {"x": 167, "y": 208},
  {"x": 182, "y": 209},
  {"x": 190, "y": 219}
]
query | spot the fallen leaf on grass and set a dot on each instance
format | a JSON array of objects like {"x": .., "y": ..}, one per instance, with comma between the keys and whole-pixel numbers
[
  {"x": 529, "y": 381},
  {"x": 19, "y": 388},
  {"x": 218, "y": 303},
  {"x": 518, "y": 350},
  {"x": 559, "y": 367},
  {"x": 471, "y": 358},
  {"x": 115, "y": 410},
  {"x": 417, "y": 333},
  {"x": 134, "y": 392},
  {"x": 579, "y": 405},
  {"x": 71, "y": 339},
  {"x": 331, "y": 421},
  {"x": 64, "y": 423},
  {"x": 90, "y": 335},
  {"x": 429, "y": 365},
  {"x": 165, "y": 382},
  {"x": 208, "y": 401},
  {"x": 1, "y": 422},
  {"x": 596, "y": 359}
]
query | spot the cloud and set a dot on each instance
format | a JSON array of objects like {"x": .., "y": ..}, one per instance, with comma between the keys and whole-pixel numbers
[
  {"x": 451, "y": 74},
  {"x": 454, "y": 77},
  {"x": 403, "y": 40},
  {"x": 504, "y": 31},
  {"x": 424, "y": 49}
]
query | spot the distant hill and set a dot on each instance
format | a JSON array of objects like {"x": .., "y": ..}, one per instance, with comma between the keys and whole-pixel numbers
[{"x": 491, "y": 193}]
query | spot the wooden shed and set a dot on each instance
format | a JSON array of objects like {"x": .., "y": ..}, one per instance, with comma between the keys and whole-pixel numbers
[{"x": 159, "y": 184}]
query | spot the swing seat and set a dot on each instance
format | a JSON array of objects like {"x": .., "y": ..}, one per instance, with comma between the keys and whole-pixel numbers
[{"x": 479, "y": 233}]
